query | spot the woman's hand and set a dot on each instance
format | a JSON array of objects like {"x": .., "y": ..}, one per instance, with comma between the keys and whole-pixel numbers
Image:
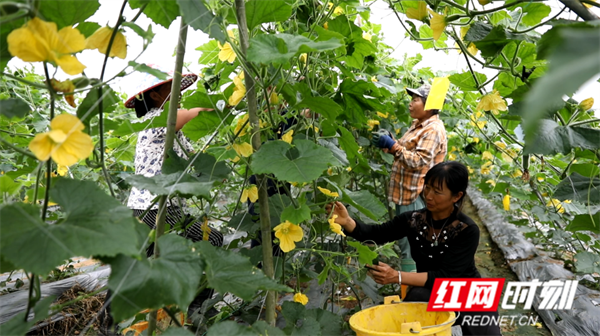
[
  {"x": 383, "y": 274},
  {"x": 343, "y": 218}
]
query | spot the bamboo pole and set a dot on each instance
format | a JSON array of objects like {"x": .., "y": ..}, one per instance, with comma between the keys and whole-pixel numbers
[{"x": 263, "y": 197}]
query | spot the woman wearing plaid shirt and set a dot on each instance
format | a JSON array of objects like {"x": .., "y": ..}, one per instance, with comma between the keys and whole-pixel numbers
[{"x": 423, "y": 146}]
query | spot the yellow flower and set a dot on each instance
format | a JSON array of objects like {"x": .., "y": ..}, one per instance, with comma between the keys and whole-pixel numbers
[
  {"x": 240, "y": 123},
  {"x": 517, "y": 173},
  {"x": 567, "y": 201},
  {"x": 65, "y": 142},
  {"x": 417, "y": 13},
  {"x": 471, "y": 48},
  {"x": 470, "y": 170},
  {"x": 326, "y": 25},
  {"x": 556, "y": 204},
  {"x": 476, "y": 140},
  {"x": 239, "y": 91},
  {"x": 301, "y": 298},
  {"x": 367, "y": 36},
  {"x": 500, "y": 144},
  {"x": 303, "y": 58},
  {"x": 235, "y": 159},
  {"x": 39, "y": 41},
  {"x": 506, "y": 202},
  {"x": 335, "y": 227},
  {"x": 540, "y": 179},
  {"x": 587, "y": 104},
  {"x": 509, "y": 155},
  {"x": 66, "y": 87},
  {"x": 486, "y": 168},
  {"x": 374, "y": 80},
  {"x": 288, "y": 137},
  {"x": 487, "y": 156},
  {"x": 100, "y": 39},
  {"x": 243, "y": 149},
  {"x": 226, "y": 52},
  {"x": 372, "y": 123},
  {"x": 337, "y": 11},
  {"x": 288, "y": 234},
  {"x": 349, "y": 169},
  {"x": 328, "y": 192},
  {"x": 251, "y": 193},
  {"x": 491, "y": 182},
  {"x": 451, "y": 156},
  {"x": 438, "y": 24},
  {"x": 62, "y": 170},
  {"x": 492, "y": 102},
  {"x": 381, "y": 115},
  {"x": 273, "y": 98}
]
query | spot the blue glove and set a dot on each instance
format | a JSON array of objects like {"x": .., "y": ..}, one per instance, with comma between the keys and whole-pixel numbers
[
  {"x": 376, "y": 136},
  {"x": 386, "y": 141}
]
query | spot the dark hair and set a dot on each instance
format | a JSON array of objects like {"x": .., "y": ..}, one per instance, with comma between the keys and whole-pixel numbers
[
  {"x": 456, "y": 176},
  {"x": 143, "y": 103},
  {"x": 424, "y": 100}
]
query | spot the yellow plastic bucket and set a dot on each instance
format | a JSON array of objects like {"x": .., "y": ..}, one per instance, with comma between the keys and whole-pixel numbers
[{"x": 395, "y": 318}]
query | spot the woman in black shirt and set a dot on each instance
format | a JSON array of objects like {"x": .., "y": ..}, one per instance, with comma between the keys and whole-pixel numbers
[{"x": 442, "y": 239}]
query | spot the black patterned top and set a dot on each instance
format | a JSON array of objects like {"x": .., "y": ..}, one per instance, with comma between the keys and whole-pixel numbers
[{"x": 451, "y": 255}]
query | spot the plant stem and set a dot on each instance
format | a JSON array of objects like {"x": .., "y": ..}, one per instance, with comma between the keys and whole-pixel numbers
[
  {"x": 169, "y": 142},
  {"x": 101, "y": 100},
  {"x": 17, "y": 149},
  {"x": 583, "y": 122},
  {"x": 263, "y": 196},
  {"x": 36, "y": 85}
]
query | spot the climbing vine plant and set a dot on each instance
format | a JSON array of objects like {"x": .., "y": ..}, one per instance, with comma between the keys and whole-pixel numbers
[{"x": 322, "y": 70}]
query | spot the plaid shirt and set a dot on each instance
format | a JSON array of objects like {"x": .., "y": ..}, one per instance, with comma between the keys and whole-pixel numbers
[{"x": 422, "y": 147}]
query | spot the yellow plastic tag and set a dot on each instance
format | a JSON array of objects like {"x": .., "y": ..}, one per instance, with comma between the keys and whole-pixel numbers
[{"x": 437, "y": 95}]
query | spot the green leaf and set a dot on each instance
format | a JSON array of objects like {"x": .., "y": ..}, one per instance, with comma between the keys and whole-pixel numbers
[
  {"x": 534, "y": 13},
  {"x": 176, "y": 331},
  {"x": 7, "y": 185},
  {"x": 357, "y": 49},
  {"x": 88, "y": 28},
  {"x": 309, "y": 326},
  {"x": 230, "y": 328},
  {"x": 261, "y": 11},
  {"x": 18, "y": 326},
  {"x": 14, "y": 107},
  {"x": 243, "y": 222},
  {"x": 205, "y": 124},
  {"x": 586, "y": 169},
  {"x": 162, "y": 12},
  {"x": 498, "y": 17},
  {"x": 280, "y": 48},
  {"x": 507, "y": 83},
  {"x": 263, "y": 328},
  {"x": 227, "y": 271},
  {"x": 6, "y": 266},
  {"x": 490, "y": 40},
  {"x": 202, "y": 99},
  {"x": 359, "y": 96},
  {"x": 344, "y": 27},
  {"x": 303, "y": 162},
  {"x": 210, "y": 52},
  {"x": 89, "y": 107},
  {"x": 426, "y": 32},
  {"x": 67, "y": 12},
  {"x": 365, "y": 202},
  {"x": 365, "y": 255},
  {"x": 575, "y": 60},
  {"x": 147, "y": 35},
  {"x": 321, "y": 105},
  {"x": 578, "y": 188},
  {"x": 170, "y": 184},
  {"x": 95, "y": 224},
  {"x": 198, "y": 16},
  {"x": 466, "y": 82},
  {"x": 585, "y": 222},
  {"x": 587, "y": 262},
  {"x": 144, "y": 68},
  {"x": 128, "y": 127},
  {"x": 5, "y": 29},
  {"x": 294, "y": 215},
  {"x": 348, "y": 143},
  {"x": 208, "y": 169},
  {"x": 154, "y": 283},
  {"x": 552, "y": 139}
]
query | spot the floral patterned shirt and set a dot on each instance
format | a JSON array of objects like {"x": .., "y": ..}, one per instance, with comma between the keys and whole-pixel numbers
[{"x": 149, "y": 158}]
